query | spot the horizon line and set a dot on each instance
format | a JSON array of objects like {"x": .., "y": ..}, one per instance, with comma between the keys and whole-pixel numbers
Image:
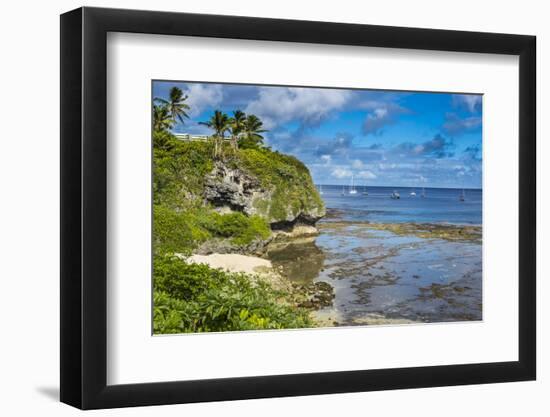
[{"x": 400, "y": 186}]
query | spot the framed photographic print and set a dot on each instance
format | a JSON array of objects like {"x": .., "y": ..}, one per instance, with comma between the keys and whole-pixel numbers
[{"x": 257, "y": 207}]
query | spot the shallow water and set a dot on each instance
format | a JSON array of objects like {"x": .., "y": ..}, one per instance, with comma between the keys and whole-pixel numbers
[{"x": 382, "y": 277}]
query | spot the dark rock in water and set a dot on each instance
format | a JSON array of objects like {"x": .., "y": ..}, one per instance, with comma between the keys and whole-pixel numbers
[
  {"x": 334, "y": 214},
  {"x": 316, "y": 295}
]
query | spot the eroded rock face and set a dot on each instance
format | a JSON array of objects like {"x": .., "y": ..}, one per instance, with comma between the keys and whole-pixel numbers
[
  {"x": 230, "y": 189},
  {"x": 233, "y": 190}
]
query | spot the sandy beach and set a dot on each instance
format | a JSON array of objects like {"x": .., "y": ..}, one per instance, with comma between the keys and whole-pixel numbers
[{"x": 233, "y": 262}]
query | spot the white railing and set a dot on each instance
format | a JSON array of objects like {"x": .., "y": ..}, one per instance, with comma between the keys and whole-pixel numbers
[
  {"x": 190, "y": 137},
  {"x": 195, "y": 138}
]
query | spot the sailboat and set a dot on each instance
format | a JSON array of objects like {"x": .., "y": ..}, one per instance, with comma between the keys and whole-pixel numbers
[
  {"x": 352, "y": 189},
  {"x": 413, "y": 193},
  {"x": 365, "y": 192},
  {"x": 343, "y": 190},
  {"x": 321, "y": 189},
  {"x": 423, "y": 195},
  {"x": 462, "y": 196}
]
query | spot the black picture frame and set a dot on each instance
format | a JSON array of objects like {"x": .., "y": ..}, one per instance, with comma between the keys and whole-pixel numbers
[{"x": 84, "y": 207}]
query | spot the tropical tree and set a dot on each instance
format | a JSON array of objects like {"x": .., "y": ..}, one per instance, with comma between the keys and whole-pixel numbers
[
  {"x": 237, "y": 126},
  {"x": 175, "y": 104},
  {"x": 252, "y": 137},
  {"x": 219, "y": 123},
  {"x": 162, "y": 119}
]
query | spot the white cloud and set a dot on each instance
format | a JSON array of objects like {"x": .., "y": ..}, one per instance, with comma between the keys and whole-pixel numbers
[
  {"x": 376, "y": 120},
  {"x": 202, "y": 96},
  {"x": 384, "y": 166},
  {"x": 454, "y": 125},
  {"x": 326, "y": 159},
  {"x": 341, "y": 173},
  {"x": 310, "y": 106},
  {"x": 472, "y": 102},
  {"x": 357, "y": 164},
  {"x": 368, "y": 175},
  {"x": 380, "y": 115}
]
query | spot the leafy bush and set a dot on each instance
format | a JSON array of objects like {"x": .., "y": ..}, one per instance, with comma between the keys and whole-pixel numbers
[
  {"x": 179, "y": 169},
  {"x": 241, "y": 228},
  {"x": 197, "y": 298},
  {"x": 251, "y": 142},
  {"x": 177, "y": 231},
  {"x": 182, "y": 231}
]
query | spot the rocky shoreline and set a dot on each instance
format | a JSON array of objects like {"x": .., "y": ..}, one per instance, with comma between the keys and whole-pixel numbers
[
  {"x": 450, "y": 232},
  {"x": 260, "y": 260},
  {"x": 312, "y": 296}
]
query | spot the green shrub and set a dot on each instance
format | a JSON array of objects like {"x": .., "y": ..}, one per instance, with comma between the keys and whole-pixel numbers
[
  {"x": 240, "y": 228},
  {"x": 179, "y": 169},
  {"x": 182, "y": 231},
  {"x": 177, "y": 231},
  {"x": 197, "y": 298}
]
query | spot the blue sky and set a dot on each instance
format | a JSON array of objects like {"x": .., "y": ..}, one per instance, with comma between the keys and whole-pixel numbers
[{"x": 386, "y": 138}]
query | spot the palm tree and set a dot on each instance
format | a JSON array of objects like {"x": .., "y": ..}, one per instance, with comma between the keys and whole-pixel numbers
[
  {"x": 238, "y": 123},
  {"x": 253, "y": 129},
  {"x": 176, "y": 104},
  {"x": 162, "y": 120},
  {"x": 219, "y": 123}
]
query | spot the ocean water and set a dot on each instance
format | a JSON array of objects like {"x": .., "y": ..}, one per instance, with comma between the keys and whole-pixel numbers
[
  {"x": 381, "y": 277},
  {"x": 441, "y": 205}
]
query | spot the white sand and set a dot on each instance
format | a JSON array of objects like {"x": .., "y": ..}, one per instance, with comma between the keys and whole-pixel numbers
[{"x": 232, "y": 262}]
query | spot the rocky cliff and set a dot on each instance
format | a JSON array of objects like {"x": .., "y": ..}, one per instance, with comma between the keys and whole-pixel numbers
[
  {"x": 235, "y": 189},
  {"x": 236, "y": 203}
]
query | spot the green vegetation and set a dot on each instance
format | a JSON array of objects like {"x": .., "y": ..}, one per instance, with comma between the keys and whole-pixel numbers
[
  {"x": 219, "y": 123},
  {"x": 245, "y": 130},
  {"x": 288, "y": 178},
  {"x": 168, "y": 112},
  {"x": 196, "y": 298},
  {"x": 237, "y": 125},
  {"x": 183, "y": 231},
  {"x": 181, "y": 218},
  {"x": 252, "y": 139}
]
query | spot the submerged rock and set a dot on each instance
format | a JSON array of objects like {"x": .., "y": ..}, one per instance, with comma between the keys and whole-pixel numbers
[{"x": 316, "y": 295}]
